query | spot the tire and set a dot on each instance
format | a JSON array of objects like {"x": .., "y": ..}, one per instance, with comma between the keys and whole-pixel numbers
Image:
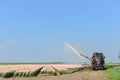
[
  {"x": 102, "y": 67},
  {"x": 93, "y": 66}
]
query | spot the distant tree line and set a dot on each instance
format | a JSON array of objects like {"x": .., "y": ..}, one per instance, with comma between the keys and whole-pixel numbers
[{"x": 119, "y": 56}]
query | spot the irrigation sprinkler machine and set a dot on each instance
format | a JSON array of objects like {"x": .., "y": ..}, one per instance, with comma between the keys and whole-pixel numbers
[{"x": 97, "y": 59}]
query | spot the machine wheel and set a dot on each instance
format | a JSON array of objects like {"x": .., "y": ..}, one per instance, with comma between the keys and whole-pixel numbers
[
  {"x": 101, "y": 67},
  {"x": 93, "y": 66}
]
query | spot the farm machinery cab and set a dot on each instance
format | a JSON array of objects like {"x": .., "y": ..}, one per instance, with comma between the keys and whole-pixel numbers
[{"x": 97, "y": 61}]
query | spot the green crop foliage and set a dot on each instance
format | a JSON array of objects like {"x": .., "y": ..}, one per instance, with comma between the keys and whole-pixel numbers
[
  {"x": 20, "y": 74},
  {"x": 113, "y": 73},
  {"x": 107, "y": 66},
  {"x": 43, "y": 72},
  {"x": 28, "y": 74},
  {"x": 51, "y": 73},
  {"x": 35, "y": 73},
  {"x": 1, "y": 74},
  {"x": 8, "y": 74},
  {"x": 54, "y": 73},
  {"x": 16, "y": 74},
  {"x": 72, "y": 70},
  {"x": 62, "y": 72},
  {"x": 24, "y": 74}
]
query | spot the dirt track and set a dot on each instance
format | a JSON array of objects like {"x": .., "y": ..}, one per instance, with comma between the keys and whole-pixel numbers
[{"x": 87, "y": 74}]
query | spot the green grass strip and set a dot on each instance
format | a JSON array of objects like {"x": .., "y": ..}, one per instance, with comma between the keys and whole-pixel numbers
[{"x": 113, "y": 73}]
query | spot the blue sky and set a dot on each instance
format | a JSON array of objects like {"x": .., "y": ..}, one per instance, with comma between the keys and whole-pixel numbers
[{"x": 36, "y": 30}]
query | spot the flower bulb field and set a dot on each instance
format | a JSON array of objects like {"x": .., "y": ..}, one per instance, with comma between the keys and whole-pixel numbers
[
  {"x": 33, "y": 70},
  {"x": 56, "y": 72},
  {"x": 33, "y": 67}
]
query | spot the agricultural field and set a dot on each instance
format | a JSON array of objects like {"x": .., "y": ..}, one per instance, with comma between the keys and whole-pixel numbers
[
  {"x": 56, "y": 72},
  {"x": 31, "y": 70}
]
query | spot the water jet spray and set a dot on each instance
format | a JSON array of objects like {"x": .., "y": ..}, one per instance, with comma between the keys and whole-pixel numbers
[{"x": 76, "y": 52}]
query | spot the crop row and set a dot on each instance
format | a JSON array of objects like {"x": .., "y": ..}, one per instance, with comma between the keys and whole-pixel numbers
[{"x": 49, "y": 70}]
